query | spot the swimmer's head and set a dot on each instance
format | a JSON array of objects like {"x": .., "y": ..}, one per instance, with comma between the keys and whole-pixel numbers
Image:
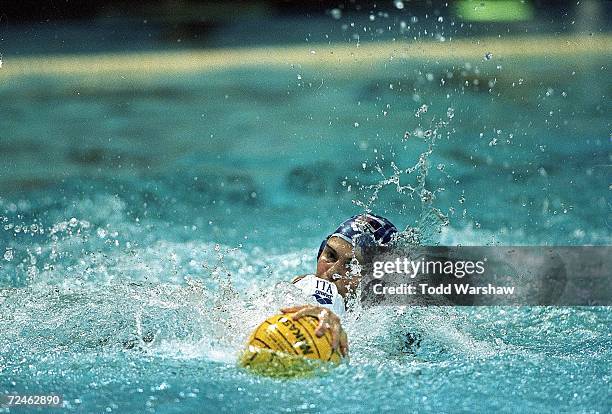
[{"x": 348, "y": 241}]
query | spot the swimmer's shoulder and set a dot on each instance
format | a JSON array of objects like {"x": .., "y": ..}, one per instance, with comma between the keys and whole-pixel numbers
[{"x": 298, "y": 278}]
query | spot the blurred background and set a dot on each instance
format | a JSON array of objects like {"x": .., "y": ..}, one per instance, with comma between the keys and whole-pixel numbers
[
  {"x": 204, "y": 114},
  {"x": 42, "y": 27}
]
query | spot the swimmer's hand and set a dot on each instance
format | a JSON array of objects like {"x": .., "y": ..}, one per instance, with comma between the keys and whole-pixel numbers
[{"x": 328, "y": 321}]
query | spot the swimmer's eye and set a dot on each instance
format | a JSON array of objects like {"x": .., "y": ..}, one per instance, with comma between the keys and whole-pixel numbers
[{"x": 330, "y": 254}]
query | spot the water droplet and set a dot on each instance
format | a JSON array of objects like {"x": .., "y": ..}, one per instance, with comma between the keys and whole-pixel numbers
[
  {"x": 423, "y": 109},
  {"x": 398, "y": 4},
  {"x": 8, "y": 255},
  {"x": 488, "y": 56},
  {"x": 336, "y": 13}
]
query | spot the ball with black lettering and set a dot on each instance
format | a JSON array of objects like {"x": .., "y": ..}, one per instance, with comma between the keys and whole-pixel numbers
[{"x": 281, "y": 346}]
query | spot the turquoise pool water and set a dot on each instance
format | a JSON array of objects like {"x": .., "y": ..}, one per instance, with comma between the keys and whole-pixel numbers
[{"x": 176, "y": 207}]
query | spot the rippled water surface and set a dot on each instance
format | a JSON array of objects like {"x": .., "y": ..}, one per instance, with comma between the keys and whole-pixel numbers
[{"x": 148, "y": 224}]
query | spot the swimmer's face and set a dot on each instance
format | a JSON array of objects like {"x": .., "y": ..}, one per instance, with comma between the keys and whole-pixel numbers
[{"x": 334, "y": 260}]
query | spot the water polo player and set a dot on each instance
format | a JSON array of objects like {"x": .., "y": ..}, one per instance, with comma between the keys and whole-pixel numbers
[{"x": 333, "y": 281}]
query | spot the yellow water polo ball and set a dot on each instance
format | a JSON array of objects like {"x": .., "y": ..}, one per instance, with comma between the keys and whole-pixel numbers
[{"x": 281, "y": 346}]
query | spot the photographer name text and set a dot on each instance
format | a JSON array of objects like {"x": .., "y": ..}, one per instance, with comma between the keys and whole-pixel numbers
[{"x": 441, "y": 289}]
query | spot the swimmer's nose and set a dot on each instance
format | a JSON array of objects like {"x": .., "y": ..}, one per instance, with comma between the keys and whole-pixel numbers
[{"x": 332, "y": 271}]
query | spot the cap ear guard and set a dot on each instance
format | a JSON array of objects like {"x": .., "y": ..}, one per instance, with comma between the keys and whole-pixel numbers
[
  {"x": 322, "y": 246},
  {"x": 363, "y": 230}
]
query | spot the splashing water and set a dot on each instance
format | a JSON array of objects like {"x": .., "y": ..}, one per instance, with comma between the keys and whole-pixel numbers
[
  {"x": 431, "y": 219},
  {"x": 144, "y": 285}
]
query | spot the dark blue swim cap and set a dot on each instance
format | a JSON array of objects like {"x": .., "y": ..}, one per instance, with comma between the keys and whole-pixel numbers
[{"x": 379, "y": 229}]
